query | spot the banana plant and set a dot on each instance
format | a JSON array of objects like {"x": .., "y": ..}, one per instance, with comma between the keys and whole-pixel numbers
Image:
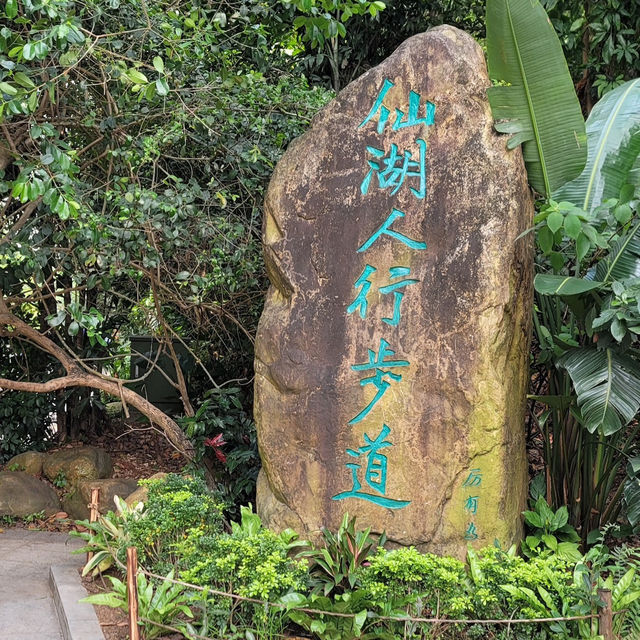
[
  {"x": 534, "y": 99},
  {"x": 613, "y": 132}
]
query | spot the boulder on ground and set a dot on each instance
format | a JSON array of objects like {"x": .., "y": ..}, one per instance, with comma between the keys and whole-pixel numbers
[
  {"x": 391, "y": 356},
  {"x": 76, "y": 503},
  {"x": 141, "y": 494},
  {"x": 30, "y": 462},
  {"x": 22, "y": 495},
  {"x": 78, "y": 463}
]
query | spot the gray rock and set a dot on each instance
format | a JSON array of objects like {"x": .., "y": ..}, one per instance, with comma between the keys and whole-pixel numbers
[
  {"x": 78, "y": 463},
  {"x": 30, "y": 462},
  {"x": 76, "y": 503},
  {"x": 141, "y": 494},
  {"x": 22, "y": 495}
]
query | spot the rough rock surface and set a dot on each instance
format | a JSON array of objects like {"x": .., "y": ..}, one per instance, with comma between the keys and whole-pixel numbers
[
  {"x": 30, "y": 462},
  {"x": 444, "y": 463},
  {"x": 76, "y": 503},
  {"x": 78, "y": 463},
  {"x": 141, "y": 494},
  {"x": 21, "y": 495}
]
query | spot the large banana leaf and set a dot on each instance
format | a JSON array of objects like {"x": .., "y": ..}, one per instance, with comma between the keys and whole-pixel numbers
[
  {"x": 607, "y": 384},
  {"x": 623, "y": 260},
  {"x": 554, "y": 285},
  {"x": 613, "y": 131},
  {"x": 536, "y": 102}
]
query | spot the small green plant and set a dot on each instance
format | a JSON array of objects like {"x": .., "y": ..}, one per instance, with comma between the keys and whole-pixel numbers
[
  {"x": 329, "y": 627},
  {"x": 107, "y": 538},
  {"x": 15, "y": 467},
  {"x": 334, "y": 566},
  {"x": 163, "y": 603},
  {"x": 550, "y": 532},
  {"x": 60, "y": 480},
  {"x": 33, "y": 517}
]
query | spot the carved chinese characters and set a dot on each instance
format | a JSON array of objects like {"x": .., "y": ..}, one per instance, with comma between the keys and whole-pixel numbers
[{"x": 391, "y": 354}]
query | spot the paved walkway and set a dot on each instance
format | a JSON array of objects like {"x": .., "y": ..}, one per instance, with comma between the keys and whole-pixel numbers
[{"x": 26, "y": 604}]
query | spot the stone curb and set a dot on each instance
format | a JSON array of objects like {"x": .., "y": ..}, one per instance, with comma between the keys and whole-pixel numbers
[{"x": 78, "y": 620}]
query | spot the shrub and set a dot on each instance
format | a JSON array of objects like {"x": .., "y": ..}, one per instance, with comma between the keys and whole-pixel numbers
[
  {"x": 251, "y": 561},
  {"x": 405, "y": 575},
  {"x": 177, "y": 507},
  {"x": 25, "y": 418}
]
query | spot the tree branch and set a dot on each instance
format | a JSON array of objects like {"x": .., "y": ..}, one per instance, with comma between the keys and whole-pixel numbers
[{"x": 78, "y": 377}]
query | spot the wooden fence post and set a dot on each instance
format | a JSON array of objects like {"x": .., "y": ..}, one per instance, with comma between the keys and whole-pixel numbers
[
  {"x": 132, "y": 592},
  {"x": 605, "y": 615},
  {"x": 93, "y": 513}
]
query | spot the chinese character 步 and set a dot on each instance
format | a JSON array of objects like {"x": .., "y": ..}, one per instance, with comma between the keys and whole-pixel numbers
[{"x": 380, "y": 379}]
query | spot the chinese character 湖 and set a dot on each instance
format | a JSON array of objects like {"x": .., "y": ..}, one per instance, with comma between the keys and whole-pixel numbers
[{"x": 391, "y": 170}]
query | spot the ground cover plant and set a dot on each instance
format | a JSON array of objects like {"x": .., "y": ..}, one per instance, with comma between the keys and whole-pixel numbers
[{"x": 380, "y": 589}]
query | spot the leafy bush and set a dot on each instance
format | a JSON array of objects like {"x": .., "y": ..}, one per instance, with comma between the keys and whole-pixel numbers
[
  {"x": 404, "y": 575},
  {"x": 223, "y": 427},
  {"x": 25, "y": 422},
  {"x": 25, "y": 418},
  {"x": 177, "y": 507},
  {"x": 550, "y": 531},
  {"x": 335, "y": 564},
  {"x": 251, "y": 561}
]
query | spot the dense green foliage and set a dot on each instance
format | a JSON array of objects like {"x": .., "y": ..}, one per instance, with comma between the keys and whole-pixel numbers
[
  {"x": 176, "y": 507},
  {"x": 586, "y": 361},
  {"x": 25, "y": 418},
  {"x": 136, "y": 145},
  {"x": 384, "y": 591}
]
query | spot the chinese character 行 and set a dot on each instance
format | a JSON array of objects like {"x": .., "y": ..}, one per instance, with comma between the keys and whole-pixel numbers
[{"x": 360, "y": 303}]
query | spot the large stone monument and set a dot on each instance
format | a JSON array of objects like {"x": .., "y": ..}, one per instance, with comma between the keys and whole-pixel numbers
[{"x": 391, "y": 357}]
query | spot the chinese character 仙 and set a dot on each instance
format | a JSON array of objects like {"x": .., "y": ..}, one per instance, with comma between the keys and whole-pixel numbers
[{"x": 412, "y": 119}]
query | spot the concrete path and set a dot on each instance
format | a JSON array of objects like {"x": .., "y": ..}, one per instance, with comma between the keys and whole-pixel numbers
[{"x": 26, "y": 603}]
